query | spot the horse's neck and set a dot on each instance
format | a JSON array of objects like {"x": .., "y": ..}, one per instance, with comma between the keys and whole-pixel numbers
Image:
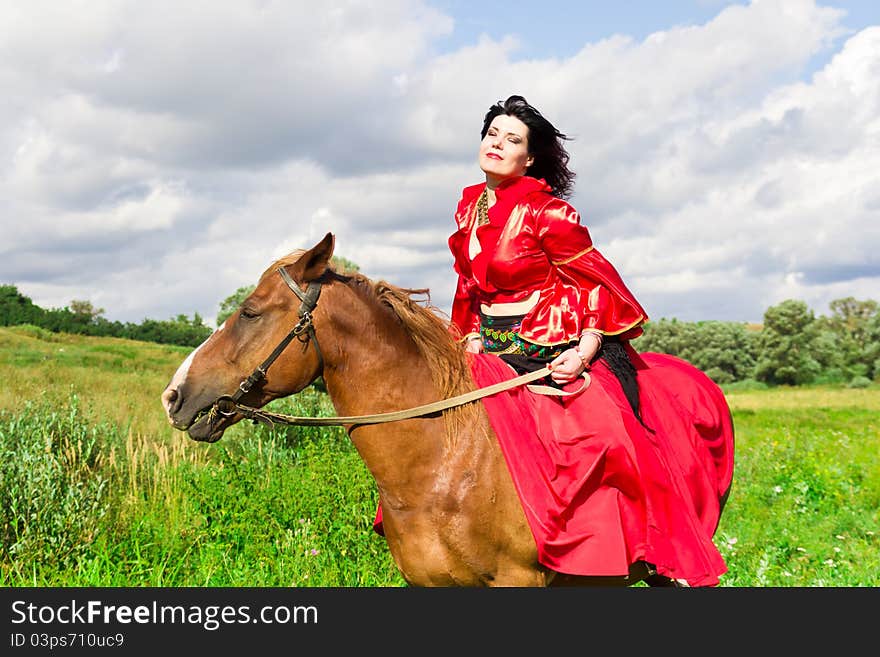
[{"x": 373, "y": 366}]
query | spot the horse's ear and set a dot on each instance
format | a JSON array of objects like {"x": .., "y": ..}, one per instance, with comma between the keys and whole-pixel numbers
[{"x": 317, "y": 259}]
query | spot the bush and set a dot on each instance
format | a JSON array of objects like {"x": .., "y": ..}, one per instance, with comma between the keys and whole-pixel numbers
[
  {"x": 744, "y": 385},
  {"x": 834, "y": 375},
  {"x": 52, "y": 493},
  {"x": 36, "y": 332},
  {"x": 723, "y": 350},
  {"x": 859, "y": 382}
]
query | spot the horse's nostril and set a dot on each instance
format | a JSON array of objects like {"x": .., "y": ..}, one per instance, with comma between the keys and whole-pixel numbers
[{"x": 171, "y": 400}]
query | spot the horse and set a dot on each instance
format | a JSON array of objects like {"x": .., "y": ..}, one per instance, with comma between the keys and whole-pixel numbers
[{"x": 450, "y": 512}]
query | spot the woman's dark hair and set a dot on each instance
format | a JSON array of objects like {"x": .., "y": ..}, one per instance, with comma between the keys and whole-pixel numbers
[{"x": 545, "y": 144}]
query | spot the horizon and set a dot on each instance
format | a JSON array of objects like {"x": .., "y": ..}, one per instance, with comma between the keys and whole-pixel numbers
[{"x": 100, "y": 312}]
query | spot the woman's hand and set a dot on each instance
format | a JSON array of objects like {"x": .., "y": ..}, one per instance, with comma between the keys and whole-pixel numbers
[
  {"x": 566, "y": 367},
  {"x": 571, "y": 363}
]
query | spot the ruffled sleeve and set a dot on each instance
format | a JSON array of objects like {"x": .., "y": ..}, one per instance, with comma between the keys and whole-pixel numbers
[{"x": 604, "y": 303}]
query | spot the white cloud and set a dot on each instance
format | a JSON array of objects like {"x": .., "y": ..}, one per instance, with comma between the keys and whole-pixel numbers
[{"x": 154, "y": 165}]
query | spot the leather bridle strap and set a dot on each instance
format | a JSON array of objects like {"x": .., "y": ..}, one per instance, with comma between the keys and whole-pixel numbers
[
  {"x": 259, "y": 415},
  {"x": 309, "y": 300}
]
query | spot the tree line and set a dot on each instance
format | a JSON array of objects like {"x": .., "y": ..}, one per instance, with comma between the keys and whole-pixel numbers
[
  {"x": 82, "y": 318},
  {"x": 793, "y": 346}
]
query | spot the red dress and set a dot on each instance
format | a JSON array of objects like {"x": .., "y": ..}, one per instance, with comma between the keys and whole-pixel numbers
[{"x": 600, "y": 488}]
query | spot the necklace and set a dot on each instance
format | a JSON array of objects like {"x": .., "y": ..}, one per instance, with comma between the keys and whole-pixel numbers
[{"x": 483, "y": 209}]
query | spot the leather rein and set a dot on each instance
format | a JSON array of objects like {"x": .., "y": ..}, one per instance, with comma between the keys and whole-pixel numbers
[{"x": 304, "y": 331}]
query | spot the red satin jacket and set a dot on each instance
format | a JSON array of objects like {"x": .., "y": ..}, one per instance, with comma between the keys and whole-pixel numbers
[{"x": 535, "y": 241}]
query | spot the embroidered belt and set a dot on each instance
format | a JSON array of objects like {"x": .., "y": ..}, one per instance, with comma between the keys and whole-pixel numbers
[{"x": 500, "y": 336}]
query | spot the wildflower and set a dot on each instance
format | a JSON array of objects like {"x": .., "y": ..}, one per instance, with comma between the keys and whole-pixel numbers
[
  {"x": 313, "y": 552},
  {"x": 777, "y": 489}
]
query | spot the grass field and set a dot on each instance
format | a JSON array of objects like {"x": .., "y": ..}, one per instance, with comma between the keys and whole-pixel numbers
[{"x": 98, "y": 490}]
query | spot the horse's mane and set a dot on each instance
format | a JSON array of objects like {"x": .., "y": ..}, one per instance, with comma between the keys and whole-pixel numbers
[
  {"x": 429, "y": 328},
  {"x": 425, "y": 324}
]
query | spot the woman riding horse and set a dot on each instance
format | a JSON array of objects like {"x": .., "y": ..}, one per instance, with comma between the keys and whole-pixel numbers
[
  {"x": 619, "y": 476},
  {"x": 601, "y": 469}
]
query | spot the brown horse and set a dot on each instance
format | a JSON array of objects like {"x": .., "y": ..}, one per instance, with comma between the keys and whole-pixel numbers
[{"x": 451, "y": 513}]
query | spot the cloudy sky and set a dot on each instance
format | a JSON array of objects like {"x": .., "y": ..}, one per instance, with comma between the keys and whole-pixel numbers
[{"x": 158, "y": 155}]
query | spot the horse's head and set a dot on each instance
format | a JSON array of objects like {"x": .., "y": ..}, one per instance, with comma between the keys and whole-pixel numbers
[{"x": 226, "y": 364}]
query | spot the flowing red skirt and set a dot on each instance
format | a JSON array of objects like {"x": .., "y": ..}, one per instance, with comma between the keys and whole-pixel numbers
[{"x": 600, "y": 490}]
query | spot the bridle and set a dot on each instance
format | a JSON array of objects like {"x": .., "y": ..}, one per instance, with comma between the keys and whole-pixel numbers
[{"x": 304, "y": 331}]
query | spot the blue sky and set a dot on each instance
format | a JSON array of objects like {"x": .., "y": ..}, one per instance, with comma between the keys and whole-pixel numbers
[
  {"x": 158, "y": 156},
  {"x": 560, "y": 29}
]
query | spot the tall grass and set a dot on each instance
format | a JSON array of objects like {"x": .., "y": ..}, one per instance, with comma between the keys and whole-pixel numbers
[
  {"x": 97, "y": 490},
  {"x": 54, "y": 494},
  {"x": 105, "y": 508}
]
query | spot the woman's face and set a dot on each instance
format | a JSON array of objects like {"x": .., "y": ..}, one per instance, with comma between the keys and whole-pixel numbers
[{"x": 504, "y": 151}]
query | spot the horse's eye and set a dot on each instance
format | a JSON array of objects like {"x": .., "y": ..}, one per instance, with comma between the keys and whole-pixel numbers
[{"x": 247, "y": 313}]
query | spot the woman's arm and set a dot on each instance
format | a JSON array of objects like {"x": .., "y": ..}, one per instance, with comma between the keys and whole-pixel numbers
[{"x": 603, "y": 303}]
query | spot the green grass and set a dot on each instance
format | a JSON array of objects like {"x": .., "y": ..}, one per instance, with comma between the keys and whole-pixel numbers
[
  {"x": 804, "y": 505},
  {"x": 97, "y": 489},
  {"x": 260, "y": 508}
]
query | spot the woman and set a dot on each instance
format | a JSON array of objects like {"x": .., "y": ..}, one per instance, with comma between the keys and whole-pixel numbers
[
  {"x": 602, "y": 484},
  {"x": 538, "y": 263}
]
